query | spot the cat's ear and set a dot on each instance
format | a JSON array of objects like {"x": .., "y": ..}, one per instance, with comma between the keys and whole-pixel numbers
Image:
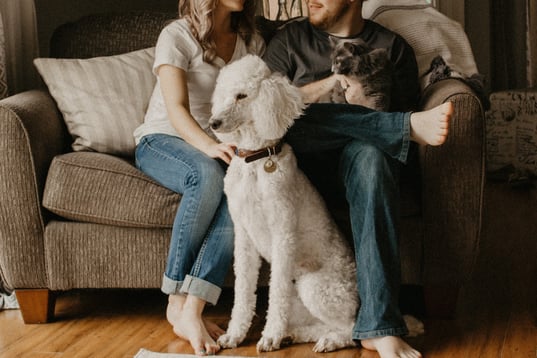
[
  {"x": 438, "y": 61},
  {"x": 379, "y": 56},
  {"x": 333, "y": 41},
  {"x": 357, "y": 47},
  {"x": 351, "y": 47}
]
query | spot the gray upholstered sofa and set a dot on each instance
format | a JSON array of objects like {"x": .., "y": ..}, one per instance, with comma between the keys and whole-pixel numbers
[{"x": 86, "y": 220}]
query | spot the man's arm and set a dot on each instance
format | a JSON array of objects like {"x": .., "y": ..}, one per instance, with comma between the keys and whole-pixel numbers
[
  {"x": 312, "y": 92},
  {"x": 276, "y": 55},
  {"x": 278, "y": 60}
]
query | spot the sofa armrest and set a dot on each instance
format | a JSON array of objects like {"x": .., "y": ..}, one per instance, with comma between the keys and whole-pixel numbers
[
  {"x": 453, "y": 183},
  {"x": 32, "y": 132}
]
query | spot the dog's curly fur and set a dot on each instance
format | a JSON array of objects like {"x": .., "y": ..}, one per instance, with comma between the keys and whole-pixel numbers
[{"x": 280, "y": 217}]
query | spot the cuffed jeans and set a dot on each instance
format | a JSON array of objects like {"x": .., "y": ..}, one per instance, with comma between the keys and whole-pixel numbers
[
  {"x": 370, "y": 147},
  {"x": 201, "y": 247}
]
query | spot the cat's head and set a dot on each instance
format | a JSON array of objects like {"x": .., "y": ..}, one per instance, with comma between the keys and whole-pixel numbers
[
  {"x": 349, "y": 55},
  {"x": 345, "y": 53}
]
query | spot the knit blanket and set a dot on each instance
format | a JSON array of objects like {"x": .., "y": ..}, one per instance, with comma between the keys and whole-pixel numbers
[{"x": 429, "y": 32}]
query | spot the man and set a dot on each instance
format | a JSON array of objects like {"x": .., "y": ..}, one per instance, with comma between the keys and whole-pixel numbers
[{"x": 365, "y": 149}]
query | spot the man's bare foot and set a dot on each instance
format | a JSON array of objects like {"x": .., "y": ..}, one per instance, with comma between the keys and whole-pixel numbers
[
  {"x": 391, "y": 347},
  {"x": 188, "y": 324},
  {"x": 432, "y": 126},
  {"x": 214, "y": 330}
]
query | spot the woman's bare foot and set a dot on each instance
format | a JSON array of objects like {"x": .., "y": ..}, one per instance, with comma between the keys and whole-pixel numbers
[
  {"x": 185, "y": 317},
  {"x": 432, "y": 126},
  {"x": 391, "y": 347}
]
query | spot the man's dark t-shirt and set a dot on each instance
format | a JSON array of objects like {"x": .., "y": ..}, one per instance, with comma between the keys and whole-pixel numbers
[{"x": 302, "y": 53}]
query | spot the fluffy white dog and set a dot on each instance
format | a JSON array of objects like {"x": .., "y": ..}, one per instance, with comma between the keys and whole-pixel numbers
[{"x": 279, "y": 216}]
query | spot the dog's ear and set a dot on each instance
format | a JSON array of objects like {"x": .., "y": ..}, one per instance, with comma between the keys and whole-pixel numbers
[{"x": 279, "y": 104}]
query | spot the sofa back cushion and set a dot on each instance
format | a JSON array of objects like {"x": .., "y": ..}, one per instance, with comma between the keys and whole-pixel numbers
[{"x": 108, "y": 34}]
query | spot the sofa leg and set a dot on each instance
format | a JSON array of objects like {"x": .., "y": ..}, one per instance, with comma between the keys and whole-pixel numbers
[
  {"x": 441, "y": 301},
  {"x": 36, "y": 305}
]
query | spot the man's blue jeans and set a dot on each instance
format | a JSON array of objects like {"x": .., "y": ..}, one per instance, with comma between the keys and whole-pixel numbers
[
  {"x": 201, "y": 247},
  {"x": 370, "y": 147}
]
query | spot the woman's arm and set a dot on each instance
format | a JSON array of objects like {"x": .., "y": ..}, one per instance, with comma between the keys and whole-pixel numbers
[{"x": 173, "y": 85}]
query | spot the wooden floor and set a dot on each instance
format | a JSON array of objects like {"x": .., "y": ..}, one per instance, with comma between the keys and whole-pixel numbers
[{"x": 497, "y": 314}]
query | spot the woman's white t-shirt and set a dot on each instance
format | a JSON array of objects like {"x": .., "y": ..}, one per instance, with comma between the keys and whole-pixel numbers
[{"x": 176, "y": 46}]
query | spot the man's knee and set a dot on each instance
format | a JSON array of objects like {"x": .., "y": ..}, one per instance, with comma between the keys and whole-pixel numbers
[{"x": 363, "y": 162}]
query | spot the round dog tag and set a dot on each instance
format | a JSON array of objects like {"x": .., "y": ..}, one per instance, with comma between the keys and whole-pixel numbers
[{"x": 270, "y": 166}]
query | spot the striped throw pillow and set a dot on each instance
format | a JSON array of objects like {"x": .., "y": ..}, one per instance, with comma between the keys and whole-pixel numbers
[{"x": 102, "y": 99}]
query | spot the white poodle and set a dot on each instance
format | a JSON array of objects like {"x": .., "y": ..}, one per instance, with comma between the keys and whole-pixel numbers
[{"x": 279, "y": 216}]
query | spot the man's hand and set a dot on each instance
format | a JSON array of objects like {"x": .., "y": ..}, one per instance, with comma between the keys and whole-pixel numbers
[{"x": 354, "y": 91}]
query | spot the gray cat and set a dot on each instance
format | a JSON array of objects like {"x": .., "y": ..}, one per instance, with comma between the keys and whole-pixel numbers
[{"x": 371, "y": 67}]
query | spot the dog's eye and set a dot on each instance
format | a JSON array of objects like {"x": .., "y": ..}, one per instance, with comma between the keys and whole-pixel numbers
[{"x": 240, "y": 96}]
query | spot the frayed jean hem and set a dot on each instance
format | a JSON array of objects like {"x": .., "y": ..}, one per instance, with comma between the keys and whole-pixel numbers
[
  {"x": 171, "y": 287},
  {"x": 194, "y": 286},
  {"x": 201, "y": 289},
  {"x": 401, "y": 331}
]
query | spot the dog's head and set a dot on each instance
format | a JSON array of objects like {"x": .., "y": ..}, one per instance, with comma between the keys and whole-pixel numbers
[{"x": 252, "y": 105}]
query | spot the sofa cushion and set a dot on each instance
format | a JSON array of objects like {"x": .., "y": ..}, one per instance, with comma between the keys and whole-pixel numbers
[
  {"x": 104, "y": 189},
  {"x": 102, "y": 99}
]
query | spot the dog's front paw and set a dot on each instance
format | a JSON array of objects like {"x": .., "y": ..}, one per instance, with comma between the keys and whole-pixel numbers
[
  {"x": 229, "y": 341},
  {"x": 267, "y": 344},
  {"x": 333, "y": 341}
]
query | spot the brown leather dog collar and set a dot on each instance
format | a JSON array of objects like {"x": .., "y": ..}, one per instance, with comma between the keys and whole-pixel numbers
[{"x": 252, "y": 155}]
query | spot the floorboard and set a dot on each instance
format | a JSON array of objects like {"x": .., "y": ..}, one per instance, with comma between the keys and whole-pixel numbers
[{"x": 496, "y": 318}]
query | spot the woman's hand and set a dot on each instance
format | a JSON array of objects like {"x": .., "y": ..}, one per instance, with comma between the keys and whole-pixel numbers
[{"x": 224, "y": 151}]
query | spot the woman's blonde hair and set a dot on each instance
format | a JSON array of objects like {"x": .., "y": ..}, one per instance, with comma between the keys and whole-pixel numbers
[{"x": 199, "y": 14}]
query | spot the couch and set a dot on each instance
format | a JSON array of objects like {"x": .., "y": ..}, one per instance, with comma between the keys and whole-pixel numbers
[{"x": 77, "y": 220}]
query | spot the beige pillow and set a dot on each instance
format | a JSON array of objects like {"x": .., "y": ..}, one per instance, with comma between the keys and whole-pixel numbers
[{"x": 102, "y": 99}]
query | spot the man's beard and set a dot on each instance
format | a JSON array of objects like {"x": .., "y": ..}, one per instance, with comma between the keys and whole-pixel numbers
[{"x": 329, "y": 19}]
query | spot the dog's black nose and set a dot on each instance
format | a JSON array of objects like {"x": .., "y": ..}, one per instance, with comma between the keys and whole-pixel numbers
[{"x": 215, "y": 124}]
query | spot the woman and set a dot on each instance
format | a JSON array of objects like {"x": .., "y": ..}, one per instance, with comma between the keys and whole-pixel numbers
[{"x": 176, "y": 148}]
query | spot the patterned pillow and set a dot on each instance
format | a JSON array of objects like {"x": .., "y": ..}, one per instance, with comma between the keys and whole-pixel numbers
[{"x": 102, "y": 99}]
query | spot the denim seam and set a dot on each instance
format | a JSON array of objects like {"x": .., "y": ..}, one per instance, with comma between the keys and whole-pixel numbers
[
  {"x": 197, "y": 264},
  {"x": 405, "y": 145}
]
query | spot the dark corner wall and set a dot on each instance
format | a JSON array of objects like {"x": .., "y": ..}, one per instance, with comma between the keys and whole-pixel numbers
[
  {"x": 52, "y": 13},
  {"x": 498, "y": 34}
]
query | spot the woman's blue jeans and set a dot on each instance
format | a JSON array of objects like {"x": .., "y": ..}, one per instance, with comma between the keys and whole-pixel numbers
[
  {"x": 370, "y": 147},
  {"x": 201, "y": 247}
]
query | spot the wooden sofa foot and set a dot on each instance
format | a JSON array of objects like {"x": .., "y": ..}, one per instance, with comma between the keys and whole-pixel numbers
[
  {"x": 441, "y": 301},
  {"x": 36, "y": 305}
]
